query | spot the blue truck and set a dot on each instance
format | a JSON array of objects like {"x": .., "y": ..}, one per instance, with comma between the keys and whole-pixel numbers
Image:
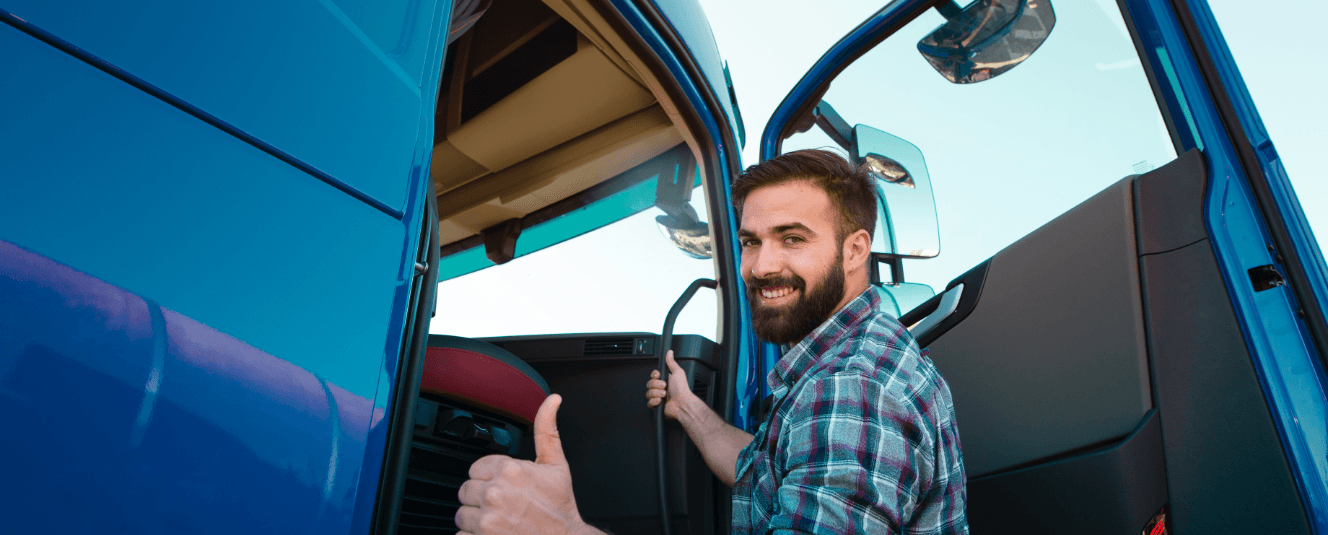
[{"x": 292, "y": 266}]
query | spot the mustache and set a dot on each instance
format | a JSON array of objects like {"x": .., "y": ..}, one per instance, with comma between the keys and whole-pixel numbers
[
  {"x": 754, "y": 287},
  {"x": 794, "y": 282}
]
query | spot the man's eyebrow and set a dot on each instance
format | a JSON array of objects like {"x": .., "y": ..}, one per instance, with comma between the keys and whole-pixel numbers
[
  {"x": 780, "y": 229},
  {"x": 792, "y": 226}
]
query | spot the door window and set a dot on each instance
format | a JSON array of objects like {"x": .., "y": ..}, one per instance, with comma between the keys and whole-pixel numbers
[{"x": 1008, "y": 154}]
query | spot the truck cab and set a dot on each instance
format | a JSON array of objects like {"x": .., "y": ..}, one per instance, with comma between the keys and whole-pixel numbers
[{"x": 293, "y": 267}]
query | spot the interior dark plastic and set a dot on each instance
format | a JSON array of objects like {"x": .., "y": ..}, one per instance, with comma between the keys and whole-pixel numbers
[
  {"x": 1101, "y": 376},
  {"x": 608, "y": 433},
  {"x": 447, "y": 436}
]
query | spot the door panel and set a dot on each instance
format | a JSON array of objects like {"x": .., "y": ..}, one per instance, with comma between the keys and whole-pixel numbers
[
  {"x": 1053, "y": 361},
  {"x": 1052, "y": 358},
  {"x": 1226, "y": 468},
  {"x": 334, "y": 84}
]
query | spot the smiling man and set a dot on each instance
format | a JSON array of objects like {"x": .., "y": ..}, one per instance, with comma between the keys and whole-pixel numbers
[{"x": 861, "y": 434}]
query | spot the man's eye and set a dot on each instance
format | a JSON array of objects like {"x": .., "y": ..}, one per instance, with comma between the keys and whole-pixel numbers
[
  {"x": 793, "y": 239},
  {"x": 749, "y": 242}
]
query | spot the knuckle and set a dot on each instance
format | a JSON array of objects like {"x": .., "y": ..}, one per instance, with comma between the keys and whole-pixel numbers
[
  {"x": 510, "y": 469},
  {"x": 493, "y": 494}
]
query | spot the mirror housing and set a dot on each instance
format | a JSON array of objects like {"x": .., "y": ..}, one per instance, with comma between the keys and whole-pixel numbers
[
  {"x": 686, "y": 232},
  {"x": 906, "y": 225},
  {"x": 680, "y": 224},
  {"x": 987, "y": 38}
]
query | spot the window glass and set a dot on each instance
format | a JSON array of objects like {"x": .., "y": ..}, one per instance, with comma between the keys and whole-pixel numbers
[
  {"x": 622, "y": 277},
  {"x": 1007, "y": 155}
]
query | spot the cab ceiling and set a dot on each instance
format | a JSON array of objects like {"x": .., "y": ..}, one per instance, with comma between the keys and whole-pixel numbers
[{"x": 541, "y": 101}]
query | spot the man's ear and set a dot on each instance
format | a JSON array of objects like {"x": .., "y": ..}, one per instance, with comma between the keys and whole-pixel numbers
[{"x": 857, "y": 249}]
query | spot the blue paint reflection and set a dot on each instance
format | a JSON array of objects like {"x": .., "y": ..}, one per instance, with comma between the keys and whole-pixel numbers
[{"x": 128, "y": 417}]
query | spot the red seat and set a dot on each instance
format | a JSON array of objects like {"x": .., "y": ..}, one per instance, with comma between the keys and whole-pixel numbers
[{"x": 483, "y": 376}]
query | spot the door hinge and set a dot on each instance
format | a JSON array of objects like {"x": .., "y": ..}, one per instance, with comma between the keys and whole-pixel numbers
[{"x": 1266, "y": 277}]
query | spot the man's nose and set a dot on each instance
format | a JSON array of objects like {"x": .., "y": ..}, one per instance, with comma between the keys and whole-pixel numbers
[{"x": 766, "y": 262}]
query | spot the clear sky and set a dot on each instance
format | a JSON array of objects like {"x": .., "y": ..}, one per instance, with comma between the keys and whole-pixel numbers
[{"x": 770, "y": 44}]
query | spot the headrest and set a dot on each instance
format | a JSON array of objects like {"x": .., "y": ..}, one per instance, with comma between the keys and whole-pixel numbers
[{"x": 483, "y": 376}]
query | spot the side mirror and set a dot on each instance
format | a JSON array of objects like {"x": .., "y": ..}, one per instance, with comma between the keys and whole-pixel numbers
[
  {"x": 987, "y": 38},
  {"x": 680, "y": 224},
  {"x": 686, "y": 232},
  {"x": 906, "y": 224}
]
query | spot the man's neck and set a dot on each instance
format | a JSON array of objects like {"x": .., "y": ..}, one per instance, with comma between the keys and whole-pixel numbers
[{"x": 852, "y": 289}]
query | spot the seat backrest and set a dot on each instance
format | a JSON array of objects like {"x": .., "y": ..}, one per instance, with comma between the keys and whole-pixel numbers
[{"x": 483, "y": 376}]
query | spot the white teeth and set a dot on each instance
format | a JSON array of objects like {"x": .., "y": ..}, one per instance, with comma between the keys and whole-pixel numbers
[{"x": 769, "y": 293}]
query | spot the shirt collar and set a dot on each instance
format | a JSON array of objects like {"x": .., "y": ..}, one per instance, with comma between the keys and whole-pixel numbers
[{"x": 800, "y": 358}]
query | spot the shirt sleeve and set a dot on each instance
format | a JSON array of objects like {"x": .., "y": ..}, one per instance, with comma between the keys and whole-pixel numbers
[{"x": 856, "y": 458}]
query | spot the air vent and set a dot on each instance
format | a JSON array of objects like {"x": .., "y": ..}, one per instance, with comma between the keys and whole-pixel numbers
[
  {"x": 430, "y": 502},
  {"x": 429, "y": 505},
  {"x": 608, "y": 346},
  {"x": 701, "y": 388}
]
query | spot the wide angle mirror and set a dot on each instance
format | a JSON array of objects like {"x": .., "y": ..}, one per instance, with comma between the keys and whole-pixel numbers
[
  {"x": 906, "y": 216},
  {"x": 987, "y": 38}
]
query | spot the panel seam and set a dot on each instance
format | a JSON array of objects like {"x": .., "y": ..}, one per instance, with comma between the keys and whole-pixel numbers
[{"x": 143, "y": 85}]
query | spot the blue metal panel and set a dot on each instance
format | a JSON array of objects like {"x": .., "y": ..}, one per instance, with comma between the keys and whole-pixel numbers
[
  {"x": 337, "y": 88},
  {"x": 1284, "y": 358},
  {"x": 152, "y": 200},
  {"x": 1274, "y": 174},
  {"x": 748, "y": 365},
  {"x": 689, "y": 21},
  {"x": 139, "y": 193},
  {"x": 124, "y": 416},
  {"x": 140, "y": 418}
]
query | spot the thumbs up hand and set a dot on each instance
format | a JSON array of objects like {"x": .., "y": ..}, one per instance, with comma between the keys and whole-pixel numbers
[{"x": 506, "y": 495}]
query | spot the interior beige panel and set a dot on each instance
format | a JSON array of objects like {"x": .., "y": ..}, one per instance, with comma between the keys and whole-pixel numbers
[
  {"x": 449, "y": 231},
  {"x": 611, "y": 141},
  {"x": 572, "y": 98},
  {"x": 644, "y": 135},
  {"x": 593, "y": 116},
  {"x": 480, "y": 217},
  {"x": 589, "y": 22},
  {"x": 450, "y": 168}
]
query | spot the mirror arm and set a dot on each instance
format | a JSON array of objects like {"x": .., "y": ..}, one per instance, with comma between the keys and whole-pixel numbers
[
  {"x": 834, "y": 125},
  {"x": 896, "y": 263},
  {"x": 949, "y": 9}
]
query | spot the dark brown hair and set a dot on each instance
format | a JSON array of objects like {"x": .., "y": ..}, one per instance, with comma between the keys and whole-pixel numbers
[{"x": 849, "y": 188}]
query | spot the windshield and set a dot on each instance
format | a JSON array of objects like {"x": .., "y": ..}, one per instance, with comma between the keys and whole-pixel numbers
[{"x": 621, "y": 277}]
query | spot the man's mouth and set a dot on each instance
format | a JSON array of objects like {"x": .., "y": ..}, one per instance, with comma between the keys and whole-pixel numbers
[{"x": 775, "y": 292}]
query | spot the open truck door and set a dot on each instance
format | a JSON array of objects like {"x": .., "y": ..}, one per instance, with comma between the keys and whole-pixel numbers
[
  {"x": 215, "y": 318},
  {"x": 1131, "y": 309}
]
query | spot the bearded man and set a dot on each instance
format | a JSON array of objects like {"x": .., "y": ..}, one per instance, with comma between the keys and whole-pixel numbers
[{"x": 861, "y": 436}]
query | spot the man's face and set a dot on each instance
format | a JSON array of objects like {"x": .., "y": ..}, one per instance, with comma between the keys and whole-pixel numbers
[{"x": 792, "y": 259}]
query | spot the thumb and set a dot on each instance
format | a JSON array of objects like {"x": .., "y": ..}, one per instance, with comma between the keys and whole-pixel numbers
[
  {"x": 673, "y": 365},
  {"x": 548, "y": 445}
]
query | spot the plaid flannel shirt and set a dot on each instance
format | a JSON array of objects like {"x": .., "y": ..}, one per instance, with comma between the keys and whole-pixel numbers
[{"x": 861, "y": 436}]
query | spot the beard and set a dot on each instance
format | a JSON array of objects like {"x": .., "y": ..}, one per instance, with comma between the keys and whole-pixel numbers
[{"x": 788, "y": 324}]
